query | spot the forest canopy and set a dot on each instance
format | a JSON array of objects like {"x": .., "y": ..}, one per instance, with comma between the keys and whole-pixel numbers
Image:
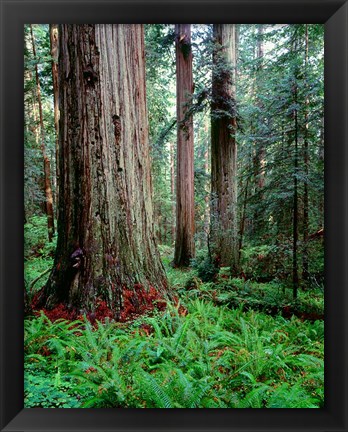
[{"x": 174, "y": 215}]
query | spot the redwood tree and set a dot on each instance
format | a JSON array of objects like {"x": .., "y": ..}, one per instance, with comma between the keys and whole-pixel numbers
[
  {"x": 223, "y": 235},
  {"x": 106, "y": 241},
  {"x": 54, "y": 54},
  {"x": 185, "y": 222},
  {"x": 260, "y": 149},
  {"x": 47, "y": 164}
]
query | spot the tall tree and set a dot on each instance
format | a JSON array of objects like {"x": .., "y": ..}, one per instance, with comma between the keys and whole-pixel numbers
[
  {"x": 305, "y": 274},
  {"x": 260, "y": 150},
  {"x": 295, "y": 278},
  {"x": 54, "y": 54},
  {"x": 223, "y": 236},
  {"x": 47, "y": 167},
  {"x": 185, "y": 222},
  {"x": 295, "y": 134},
  {"x": 106, "y": 240},
  {"x": 172, "y": 190}
]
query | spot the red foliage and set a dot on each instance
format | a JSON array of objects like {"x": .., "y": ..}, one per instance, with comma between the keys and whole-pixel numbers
[
  {"x": 45, "y": 351},
  {"x": 102, "y": 311},
  {"x": 242, "y": 276},
  {"x": 35, "y": 300},
  {"x": 287, "y": 312},
  {"x": 217, "y": 261},
  {"x": 59, "y": 312},
  {"x": 138, "y": 301},
  {"x": 146, "y": 329},
  {"x": 182, "y": 310}
]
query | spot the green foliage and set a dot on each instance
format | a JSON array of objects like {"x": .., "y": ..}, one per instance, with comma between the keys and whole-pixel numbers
[
  {"x": 34, "y": 194},
  {"x": 206, "y": 269},
  {"x": 283, "y": 83},
  {"x": 44, "y": 392},
  {"x": 38, "y": 254},
  {"x": 194, "y": 354},
  {"x": 260, "y": 262},
  {"x": 226, "y": 342},
  {"x": 210, "y": 350},
  {"x": 35, "y": 234},
  {"x": 271, "y": 297},
  {"x": 177, "y": 278}
]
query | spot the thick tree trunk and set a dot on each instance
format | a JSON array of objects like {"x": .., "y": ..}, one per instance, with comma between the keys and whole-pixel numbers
[
  {"x": 54, "y": 55},
  {"x": 47, "y": 169},
  {"x": 106, "y": 241},
  {"x": 223, "y": 236},
  {"x": 185, "y": 222}
]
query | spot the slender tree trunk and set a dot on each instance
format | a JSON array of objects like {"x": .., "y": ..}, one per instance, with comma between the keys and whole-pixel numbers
[
  {"x": 207, "y": 187},
  {"x": 260, "y": 151},
  {"x": 34, "y": 118},
  {"x": 242, "y": 222},
  {"x": 223, "y": 236},
  {"x": 321, "y": 157},
  {"x": 106, "y": 243},
  {"x": 295, "y": 279},
  {"x": 260, "y": 146},
  {"x": 54, "y": 55},
  {"x": 305, "y": 273},
  {"x": 47, "y": 169},
  {"x": 172, "y": 189},
  {"x": 185, "y": 222},
  {"x": 158, "y": 219}
]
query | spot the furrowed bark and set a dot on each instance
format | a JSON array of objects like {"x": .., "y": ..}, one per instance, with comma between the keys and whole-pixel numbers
[
  {"x": 172, "y": 190},
  {"x": 106, "y": 241},
  {"x": 223, "y": 235},
  {"x": 185, "y": 223}
]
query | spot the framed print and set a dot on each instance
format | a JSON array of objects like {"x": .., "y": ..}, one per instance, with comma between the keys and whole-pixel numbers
[{"x": 162, "y": 289}]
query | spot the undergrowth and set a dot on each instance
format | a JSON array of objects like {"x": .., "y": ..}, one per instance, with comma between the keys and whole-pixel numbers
[
  {"x": 200, "y": 355},
  {"x": 38, "y": 254},
  {"x": 220, "y": 346}
]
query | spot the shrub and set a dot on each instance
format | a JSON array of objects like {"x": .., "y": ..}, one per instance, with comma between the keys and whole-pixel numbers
[{"x": 206, "y": 270}]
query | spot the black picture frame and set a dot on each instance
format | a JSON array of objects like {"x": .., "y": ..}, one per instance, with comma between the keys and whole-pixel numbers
[{"x": 14, "y": 14}]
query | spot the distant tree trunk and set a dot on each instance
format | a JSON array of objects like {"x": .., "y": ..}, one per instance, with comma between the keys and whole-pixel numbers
[
  {"x": 321, "y": 158},
  {"x": 260, "y": 151},
  {"x": 34, "y": 117},
  {"x": 223, "y": 235},
  {"x": 106, "y": 242},
  {"x": 47, "y": 169},
  {"x": 185, "y": 222},
  {"x": 295, "y": 279},
  {"x": 243, "y": 217},
  {"x": 54, "y": 55},
  {"x": 260, "y": 146},
  {"x": 207, "y": 187},
  {"x": 305, "y": 274},
  {"x": 172, "y": 189}
]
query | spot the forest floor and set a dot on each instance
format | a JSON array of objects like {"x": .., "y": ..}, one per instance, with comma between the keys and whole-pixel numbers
[{"x": 230, "y": 343}]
